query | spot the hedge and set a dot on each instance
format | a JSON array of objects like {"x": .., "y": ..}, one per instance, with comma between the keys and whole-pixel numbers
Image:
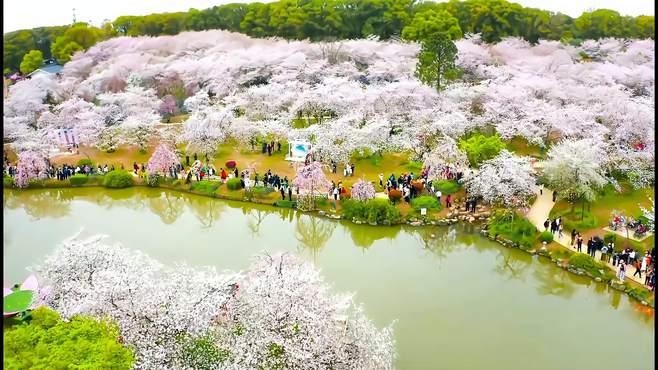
[
  {"x": 118, "y": 179},
  {"x": 234, "y": 183},
  {"x": 446, "y": 187},
  {"x": 426, "y": 201},
  {"x": 85, "y": 162},
  {"x": 79, "y": 179}
]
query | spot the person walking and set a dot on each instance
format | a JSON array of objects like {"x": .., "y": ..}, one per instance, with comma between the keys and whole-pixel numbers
[
  {"x": 448, "y": 201},
  {"x": 604, "y": 252},
  {"x": 638, "y": 270},
  {"x": 290, "y": 193},
  {"x": 573, "y": 236},
  {"x": 283, "y": 193},
  {"x": 560, "y": 230},
  {"x": 547, "y": 223},
  {"x": 438, "y": 195},
  {"x": 554, "y": 196},
  {"x": 381, "y": 180},
  {"x": 645, "y": 261},
  {"x": 622, "y": 271},
  {"x": 580, "y": 243}
]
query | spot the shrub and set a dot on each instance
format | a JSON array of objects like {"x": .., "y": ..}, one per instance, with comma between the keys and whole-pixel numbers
[
  {"x": 8, "y": 182},
  {"x": 446, "y": 186},
  {"x": 517, "y": 229},
  {"x": 234, "y": 183},
  {"x": 118, "y": 179},
  {"x": 546, "y": 236},
  {"x": 609, "y": 238},
  {"x": 79, "y": 179},
  {"x": 85, "y": 162},
  {"x": 48, "y": 342},
  {"x": 261, "y": 191},
  {"x": 394, "y": 195},
  {"x": 153, "y": 180},
  {"x": 285, "y": 203},
  {"x": 202, "y": 353},
  {"x": 205, "y": 186},
  {"x": 480, "y": 148},
  {"x": 380, "y": 210},
  {"x": 353, "y": 209},
  {"x": 426, "y": 201},
  {"x": 374, "y": 210}
]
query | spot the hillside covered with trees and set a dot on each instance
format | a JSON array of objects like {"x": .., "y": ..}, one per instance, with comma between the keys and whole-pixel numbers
[{"x": 326, "y": 20}]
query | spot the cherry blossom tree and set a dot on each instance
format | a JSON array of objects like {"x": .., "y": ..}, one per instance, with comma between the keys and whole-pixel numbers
[
  {"x": 310, "y": 180},
  {"x": 363, "y": 190},
  {"x": 446, "y": 155},
  {"x": 161, "y": 160},
  {"x": 31, "y": 166},
  {"x": 573, "y": 168},
  {"x": 505, "y": 180},
  {"x": 279, "y": 313},
  {"x": 207, "y": 127}
]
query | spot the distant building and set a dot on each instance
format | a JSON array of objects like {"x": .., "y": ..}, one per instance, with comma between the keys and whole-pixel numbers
[{"x": 49, "y": 66}]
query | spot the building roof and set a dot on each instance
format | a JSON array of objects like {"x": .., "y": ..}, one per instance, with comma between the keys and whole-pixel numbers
[{"x": 52, "y": 69}]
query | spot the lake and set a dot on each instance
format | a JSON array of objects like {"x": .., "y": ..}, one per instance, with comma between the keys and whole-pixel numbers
[{"x": 460, "y": 300}]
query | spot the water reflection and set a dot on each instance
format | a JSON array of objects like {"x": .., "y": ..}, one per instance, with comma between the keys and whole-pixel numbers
[
  {"x": 53, "y": 203},
  {"x": 553, "y": 281},
  {"x": 255, "y": 217},
  {"x": 207, "y": 211},
  {"x": 364, "y": 236},
  {"x": 169, "y": 206},
  {"x": 313, "y": 232},
  {"x": 512, "y": 265}
]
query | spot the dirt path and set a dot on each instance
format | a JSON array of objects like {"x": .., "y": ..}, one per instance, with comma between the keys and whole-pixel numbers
[{"x": 539, "y": 212}]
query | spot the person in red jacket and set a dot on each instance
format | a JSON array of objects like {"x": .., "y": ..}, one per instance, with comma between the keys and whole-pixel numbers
[{"x": 224, "y": 175}]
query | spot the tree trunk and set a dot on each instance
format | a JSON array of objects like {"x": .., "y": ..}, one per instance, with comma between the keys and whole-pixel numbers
[{"x": 582, "y": 212}]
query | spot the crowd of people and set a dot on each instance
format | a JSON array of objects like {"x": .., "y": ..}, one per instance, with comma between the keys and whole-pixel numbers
[{"x": 620, "y": 259}]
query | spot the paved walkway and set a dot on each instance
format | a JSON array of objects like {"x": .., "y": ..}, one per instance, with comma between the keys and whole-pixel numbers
[{"x": 539, "y": 212}]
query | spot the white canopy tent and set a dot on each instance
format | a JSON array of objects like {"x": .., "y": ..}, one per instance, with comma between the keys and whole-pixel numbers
[{"x": 298, "y": 150}]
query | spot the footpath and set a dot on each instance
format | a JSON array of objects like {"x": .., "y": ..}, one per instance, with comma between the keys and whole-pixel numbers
[{"x": 539, "y": 212}]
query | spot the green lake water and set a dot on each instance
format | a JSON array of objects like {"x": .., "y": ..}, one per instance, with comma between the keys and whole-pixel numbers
[{"x": 460, "y": 300}]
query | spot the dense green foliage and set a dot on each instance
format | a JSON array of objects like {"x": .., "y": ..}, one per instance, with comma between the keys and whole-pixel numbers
[
  {"x": 79, "y": 179},
  {"x": 446, "y": 186},
  {"x": 85, "y": 162},
  {"x": 203, "y": 354},
  {"x": 513, "y": 227},
  {"x": 480, "y": 148},
  {"x": 285, "y": 203},
  {"x": 374, "y": 210},
  {"x": 205, "y": 186},
  {"x": 31, "y": 61},
  {"x": 426, "y": 201},
  {"x": 8, "y": 182},
  {"x": 47, "y": 342},
  {"x": 546, "y": 236},
  {"x": 342, "y": 19},
  {"x": 234, "y": 184},
  {"x": 118, "y": 179},
  {"x": 436, "y": 60}
]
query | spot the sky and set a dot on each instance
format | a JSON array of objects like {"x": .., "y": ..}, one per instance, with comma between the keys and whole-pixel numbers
[{"x": 23, "y": 14}]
